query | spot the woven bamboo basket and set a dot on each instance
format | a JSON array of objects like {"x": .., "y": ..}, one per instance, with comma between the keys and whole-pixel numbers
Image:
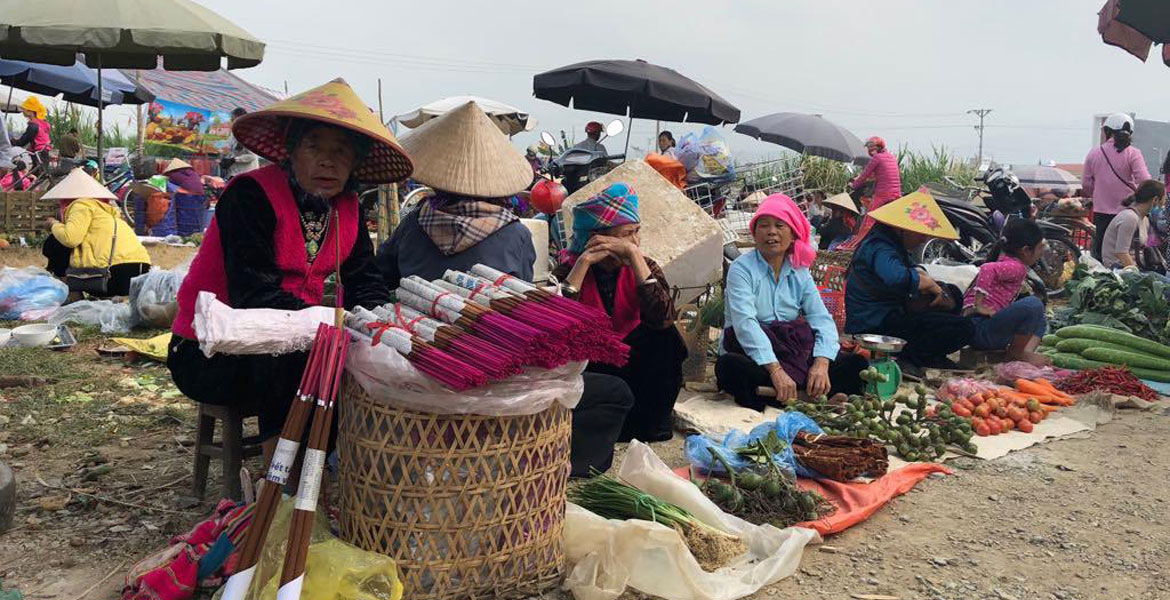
[{"x": 469, "y": 506}]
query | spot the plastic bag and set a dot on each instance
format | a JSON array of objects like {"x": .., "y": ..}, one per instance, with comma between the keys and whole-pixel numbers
[
  {"x": 787, "y": 425},
  {"x": 707, "y": 155},
  {"x": 153, "y": 297},
  {"x": 606, "y": 556},
  {"x": 29, "y": 293},
  {"x": 113, "y": 317},
  {"x": 385, "y": 375},
  {"x": 221, "y": 328},
  {"x": 333, "y": 570},
  {"x": 1007, "y": 373},
  {"x": 954, "y": 389}
]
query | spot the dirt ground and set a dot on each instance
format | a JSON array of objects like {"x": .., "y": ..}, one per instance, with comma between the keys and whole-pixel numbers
[{"x": 103, "y": 458}]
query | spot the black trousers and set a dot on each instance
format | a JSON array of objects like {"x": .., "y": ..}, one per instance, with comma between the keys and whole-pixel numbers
[
  {"x": 929, "y": 336},
  {"x": 261, "y": 383},
  {"x": 120, "y": 275},
  {"x": 597, "y": 423},
  {"x": 654, "y": 374},
  {"x": 739, "y": 375},
  {"x": 1101, "y": 221}
]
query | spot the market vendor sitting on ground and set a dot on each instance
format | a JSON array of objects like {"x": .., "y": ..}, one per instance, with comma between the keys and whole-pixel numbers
[
  {"x": 475, "y": 171},
  {"x": 1000, "y": 321},
  {"x": 842, "y": 222},
  {"x": 604, "y": 267},
  {"x": 779, "y": 333},
  {"x": 883, "y": 169},
  {"x": 1129, "y": 232},
  {"x": 91, "y": 229},
  {"x": 279, "y": 233},
  {"x": 887, "y": 294},
  {"x": 469, "y": 219},
  {"x": 182, "y": 175}
]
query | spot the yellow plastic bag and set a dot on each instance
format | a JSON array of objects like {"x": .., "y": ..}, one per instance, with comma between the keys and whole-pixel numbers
[
  {"x": 334, "y": 570},
  {"x": 155, "y": 347}
]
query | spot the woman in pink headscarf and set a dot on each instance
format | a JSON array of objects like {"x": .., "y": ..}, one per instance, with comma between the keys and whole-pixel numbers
[{"x": 778, "y": 332}]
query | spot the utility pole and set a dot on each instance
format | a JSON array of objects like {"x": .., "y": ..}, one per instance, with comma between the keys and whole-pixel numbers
[{"x": 981, "y": 113}]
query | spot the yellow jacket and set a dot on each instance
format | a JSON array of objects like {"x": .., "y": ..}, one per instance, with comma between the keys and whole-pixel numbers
[{"x": 89, "y": 229}]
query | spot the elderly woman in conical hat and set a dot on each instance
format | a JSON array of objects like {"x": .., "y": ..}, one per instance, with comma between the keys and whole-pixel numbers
[
  {"x": 92, "y": 235},
  {"x": 779, "y": 334},
  {"x": 887, "y": 293},
  {"x": 189, "y": 205},
  {"x": 475, "y": 173},
  {"x": 841, "y": 223},
  {"x": 279, "y": 233}
]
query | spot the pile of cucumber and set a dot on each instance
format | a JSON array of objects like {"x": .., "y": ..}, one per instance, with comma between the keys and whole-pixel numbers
[{"x": 1093, "y": 346}]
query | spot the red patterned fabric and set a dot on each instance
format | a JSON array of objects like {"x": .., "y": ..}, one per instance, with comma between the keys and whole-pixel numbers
[{"x": 173, "y": 574}]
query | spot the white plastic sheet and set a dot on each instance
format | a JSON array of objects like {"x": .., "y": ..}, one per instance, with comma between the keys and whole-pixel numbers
[
  {"x": 113, "y": 317},
  {"x": 606, "y": 556},
  {"x": 386, "y": 375},
  {"x": 221, "y": 328}
]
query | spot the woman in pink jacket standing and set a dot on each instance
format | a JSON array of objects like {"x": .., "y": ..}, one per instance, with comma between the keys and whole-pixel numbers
[{"x": 882, "y": 167}]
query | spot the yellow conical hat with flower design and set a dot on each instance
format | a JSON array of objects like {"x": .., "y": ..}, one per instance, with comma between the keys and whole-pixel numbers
[
  {"x": 335, "y": 103},
  {"x": 917, "y": 212}
]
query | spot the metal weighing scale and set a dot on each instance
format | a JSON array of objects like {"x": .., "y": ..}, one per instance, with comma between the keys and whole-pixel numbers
[{"x": 882, "y": 349}]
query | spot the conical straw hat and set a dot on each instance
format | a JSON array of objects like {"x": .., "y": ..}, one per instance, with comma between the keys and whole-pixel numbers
[
  {"x": 843, "y": 201},
  {"x": 176, "y": 164},
  {"x": 917, "y": 212},
  {"x": 77, "y": 184},
  {"x": 335, "y": 103},
  {"x": 464, "y": 152}
]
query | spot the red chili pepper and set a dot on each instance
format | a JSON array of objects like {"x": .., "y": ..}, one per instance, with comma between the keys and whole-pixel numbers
[{"x": 1115, "y": 380}]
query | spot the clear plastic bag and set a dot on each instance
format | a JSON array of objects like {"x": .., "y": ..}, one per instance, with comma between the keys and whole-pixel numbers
[
  {"x": 954, "y": 389},
  {"x": 385, "y": 375},
  {"x": 153, "y": 297},
  {"x": 29, "y": 294},
  {"x": 787, "y": 425},
  {"x": 707, "y": 155},
  {"x": 112, "y": 317},
  {"x": 333, "y": 569},
  {"x": 605, "y": 556}
]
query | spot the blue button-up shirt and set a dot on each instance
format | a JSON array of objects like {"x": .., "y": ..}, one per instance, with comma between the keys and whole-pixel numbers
[
  {"x": 753, "y": 296},
  {"x": 881, "y": 280}
]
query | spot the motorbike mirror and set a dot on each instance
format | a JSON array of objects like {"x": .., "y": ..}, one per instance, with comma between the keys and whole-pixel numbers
[
  {"x": 614, "y": 128},
  {"x": 548, "y": 139}
]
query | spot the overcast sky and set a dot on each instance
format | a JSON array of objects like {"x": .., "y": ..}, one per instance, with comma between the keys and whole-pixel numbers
[{"x": 907, "y": 70}]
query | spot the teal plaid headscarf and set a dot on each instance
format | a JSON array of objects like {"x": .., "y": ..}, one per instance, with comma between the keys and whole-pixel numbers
[{"x": 616, "y": 205}]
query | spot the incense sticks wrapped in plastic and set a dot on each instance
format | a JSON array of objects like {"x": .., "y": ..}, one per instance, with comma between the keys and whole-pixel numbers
[
  {"x": 528, "y": 290},
  {"x": 510, "y": 334},
  {"x": 494, "y": 361},
  {"x": 589, "y": 338},
  {"x": 439, "y": 365}
]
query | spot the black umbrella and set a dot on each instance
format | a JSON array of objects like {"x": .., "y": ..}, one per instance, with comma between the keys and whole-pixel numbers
[
  {"x": 1135, "y": 26},
  {"x": 808, "y": 134},
  {"x": 635, "y": 88}
]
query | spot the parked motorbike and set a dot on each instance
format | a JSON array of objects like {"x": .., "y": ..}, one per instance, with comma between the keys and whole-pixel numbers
[{"x": 980, "y": 227}]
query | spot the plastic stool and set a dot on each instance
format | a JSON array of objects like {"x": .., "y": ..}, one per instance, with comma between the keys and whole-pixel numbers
[{"x": 232, "y": 448}]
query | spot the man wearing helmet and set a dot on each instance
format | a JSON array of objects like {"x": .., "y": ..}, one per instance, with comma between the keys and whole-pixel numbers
[
  {"x": 592, "y": 140},
  {"x": 883, "y": 168},
  {"x": 1112, "y": 173}
]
